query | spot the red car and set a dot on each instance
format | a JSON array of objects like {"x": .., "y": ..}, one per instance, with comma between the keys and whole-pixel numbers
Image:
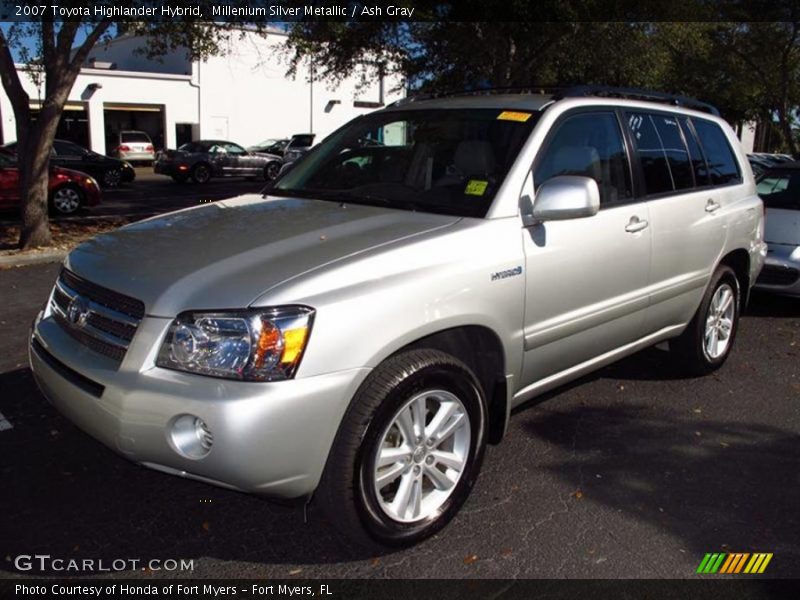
[{"x": 68, "y": 190}]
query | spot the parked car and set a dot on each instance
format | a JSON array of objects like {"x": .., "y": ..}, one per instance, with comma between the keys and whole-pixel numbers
[
  {"x": 298, "y": 146},
  {"x": 204, "y": 159},
  {"x": 779, "y": 188},
  {"x": 110, "y": 172},
  {"x": 362, "y": 330},
  {"x": 68, "y": 190},
  {"x": 270, "y": 146},
  {"x": 134, "y": 146}
]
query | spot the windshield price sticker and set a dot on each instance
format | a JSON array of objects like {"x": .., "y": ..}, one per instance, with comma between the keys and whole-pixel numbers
[
  {"x": 476, "y": 187},
  {"x": 511, "y": 115}
]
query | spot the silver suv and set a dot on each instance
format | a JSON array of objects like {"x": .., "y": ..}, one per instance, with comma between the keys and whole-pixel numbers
[{"x": 361, "y": 331}]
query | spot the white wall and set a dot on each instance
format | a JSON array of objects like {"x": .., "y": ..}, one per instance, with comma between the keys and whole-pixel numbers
[
  {"x": 248, "y": 86},
  {"x": 243, "y": 95}
]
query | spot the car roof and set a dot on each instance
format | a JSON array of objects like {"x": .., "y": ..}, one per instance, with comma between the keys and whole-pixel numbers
[
  {"x": 784, "y": 166},
  {"x": 530, "y": 102}
]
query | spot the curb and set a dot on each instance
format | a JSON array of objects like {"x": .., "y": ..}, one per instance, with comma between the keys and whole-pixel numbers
[{"x": 32, "y": 259}]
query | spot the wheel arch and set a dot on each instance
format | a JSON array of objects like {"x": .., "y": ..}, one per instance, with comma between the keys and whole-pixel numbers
[
  {"x": 739, "y": 261},
  {"x": 480, "y": 348}
]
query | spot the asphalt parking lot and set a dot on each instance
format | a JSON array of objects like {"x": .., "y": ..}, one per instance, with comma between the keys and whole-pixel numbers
[{"x": 632, "y": 472}]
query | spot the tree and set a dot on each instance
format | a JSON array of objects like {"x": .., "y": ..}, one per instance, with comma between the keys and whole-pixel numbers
[{"x": 60, "y": 49}]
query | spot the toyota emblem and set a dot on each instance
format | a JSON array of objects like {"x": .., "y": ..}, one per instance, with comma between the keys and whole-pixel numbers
[{"x": 78, "y": 311}]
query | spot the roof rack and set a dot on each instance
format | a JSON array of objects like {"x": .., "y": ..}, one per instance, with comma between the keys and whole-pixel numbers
[
  {"x": 560, "y": 92},
  {"x": 636, "y": 94}
]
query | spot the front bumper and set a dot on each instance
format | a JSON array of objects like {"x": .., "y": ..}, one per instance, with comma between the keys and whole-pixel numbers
[
  {"x": 171, "y": 169},
  {"x": 781, "y": 272},
  {"x": 271, "y": 439}
]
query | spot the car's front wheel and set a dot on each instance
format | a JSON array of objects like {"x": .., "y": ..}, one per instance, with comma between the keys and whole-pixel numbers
[
  {"x": 707, "y": 341},
  {"x": 201, "y": 173},
  {"x": 407, "y": 452},
  {"x": 112, "y": 178},
  {"x": 66, "y": 200},
  {"x": 271, "y": 171}
]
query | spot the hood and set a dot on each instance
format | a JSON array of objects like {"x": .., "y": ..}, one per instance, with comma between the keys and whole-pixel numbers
[
  {"x": 228, "y": 253},
  {"x": 782, "y": 226}
]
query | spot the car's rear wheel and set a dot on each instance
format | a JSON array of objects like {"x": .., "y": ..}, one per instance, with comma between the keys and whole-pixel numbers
[
  {"x": 271, "y": 171},
  {"x": 707, "y": 341},
  {"x": 66, "y": 200},
  {"x": 112, "y": 178},
  {"x": 201, "y": 173},
  {"x": 407, "y": 452}
]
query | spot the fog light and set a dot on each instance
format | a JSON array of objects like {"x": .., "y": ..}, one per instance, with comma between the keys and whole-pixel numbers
[{"x": 191, "y": 436}]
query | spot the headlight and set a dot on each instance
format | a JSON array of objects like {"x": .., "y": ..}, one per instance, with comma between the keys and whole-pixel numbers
[{"x": 252, "y": 345}]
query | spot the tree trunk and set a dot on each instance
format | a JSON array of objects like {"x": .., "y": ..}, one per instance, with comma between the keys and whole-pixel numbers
[
  {"x": 33, "y": 152},
  {"x": 786, "y": 129}
]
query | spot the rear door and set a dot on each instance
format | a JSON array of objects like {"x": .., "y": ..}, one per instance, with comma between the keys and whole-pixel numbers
[{"x": 686, "y": 209}]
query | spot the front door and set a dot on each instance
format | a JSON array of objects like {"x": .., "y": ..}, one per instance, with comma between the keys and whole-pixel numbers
[{"x": 586, "y": 278}]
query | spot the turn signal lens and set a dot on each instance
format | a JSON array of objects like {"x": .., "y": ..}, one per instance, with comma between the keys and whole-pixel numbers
[{"x": 294, "y": 342}]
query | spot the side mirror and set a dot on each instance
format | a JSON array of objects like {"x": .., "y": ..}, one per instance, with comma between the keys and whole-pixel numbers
[{"x": 565, "y": 197}]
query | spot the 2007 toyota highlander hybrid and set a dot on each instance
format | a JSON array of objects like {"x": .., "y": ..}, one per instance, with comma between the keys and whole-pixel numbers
[{"x": 361, "y": 331}]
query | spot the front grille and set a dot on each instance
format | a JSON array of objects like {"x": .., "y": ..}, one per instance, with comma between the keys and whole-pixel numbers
[
  {"x": 103, "y": 320},
  {"x": 778, "y": 275}
]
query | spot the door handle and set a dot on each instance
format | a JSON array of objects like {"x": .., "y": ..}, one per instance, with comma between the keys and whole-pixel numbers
[
  {"x": 712, "y": 207},
  {"x": 636, "y": 224}
]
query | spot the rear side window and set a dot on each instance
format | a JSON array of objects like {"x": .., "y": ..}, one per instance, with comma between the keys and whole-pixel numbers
[
  {"x": 781, "y": 190},
  {"x": 722, "y": 166},
  {"x": 664, "y": 157},
  {"x": 653, "y": 158},
  {"x": 699, "y": 166},
  {"x": 589, "y": 145}
]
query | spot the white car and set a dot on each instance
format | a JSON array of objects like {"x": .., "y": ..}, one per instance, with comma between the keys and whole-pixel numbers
[
  {"x": 779, "y": 188},
  {"x": 135, "y": 146}
]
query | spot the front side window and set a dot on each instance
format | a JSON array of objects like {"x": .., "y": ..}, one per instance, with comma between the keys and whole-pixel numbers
[
  {"x": 233, "y": 148},
  {"x": 449, "y": 161},
  {"x": 780, "y": 190},
  {"x": 589, "y": 145},
  {"x": 722, "y": 166}
]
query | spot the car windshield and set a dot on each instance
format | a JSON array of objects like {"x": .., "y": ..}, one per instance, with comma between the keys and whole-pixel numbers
[
  {"x": 134, "y": 137},
  {"x": 780, "y": 190},
  {"x": 449, "y": 161}
]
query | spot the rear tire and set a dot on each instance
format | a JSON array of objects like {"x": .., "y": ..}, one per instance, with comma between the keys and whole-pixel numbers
[
  {"x": 379, "y": 486},
  {"x": 201, "y": 173},
  {"x": 707, "y": 341}
]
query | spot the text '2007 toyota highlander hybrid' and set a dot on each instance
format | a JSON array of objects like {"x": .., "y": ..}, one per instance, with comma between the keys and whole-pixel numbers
[{"x": 363, "y": 330}]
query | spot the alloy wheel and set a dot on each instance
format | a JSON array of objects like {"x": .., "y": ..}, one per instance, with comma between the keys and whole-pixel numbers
[
  {"x": 719, "y": 321},
  {"x": 66, "y": 200},
  {"x": 421, "y": 456}
]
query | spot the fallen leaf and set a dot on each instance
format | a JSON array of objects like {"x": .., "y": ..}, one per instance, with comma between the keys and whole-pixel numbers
[
  {"x": 577, "y": 494},
  {"x": 470, "y": 559},
  {"x": 697, "y": 433},
  {"x": 375, "y": 562},
  {"x": 206, "y": 525},
  {"x": 507, "y": 552},
  {"x": 698, "y": 411},
  {"x": 76, "y": 548},
  {"x": 295, "y": 571}
]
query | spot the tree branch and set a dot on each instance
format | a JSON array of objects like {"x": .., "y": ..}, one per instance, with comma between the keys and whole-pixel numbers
[{"x": 8, "y": 73}]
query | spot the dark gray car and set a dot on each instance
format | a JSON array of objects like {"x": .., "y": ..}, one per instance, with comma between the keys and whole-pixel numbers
[{"x": 204, "y": 159}]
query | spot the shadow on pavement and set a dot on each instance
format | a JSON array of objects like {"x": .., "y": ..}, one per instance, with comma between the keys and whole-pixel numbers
[
  {"x": 729, "y": 487},
  {"x": 108, "y": 508}
]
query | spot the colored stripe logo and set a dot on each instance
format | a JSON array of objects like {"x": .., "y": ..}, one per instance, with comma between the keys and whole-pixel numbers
[{"x": 736, "y": 562}]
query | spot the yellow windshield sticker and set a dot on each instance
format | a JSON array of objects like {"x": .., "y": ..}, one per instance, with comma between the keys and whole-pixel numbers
[
  {"x": 510, "y": 115},
  {"x": 476, "y": 187}
]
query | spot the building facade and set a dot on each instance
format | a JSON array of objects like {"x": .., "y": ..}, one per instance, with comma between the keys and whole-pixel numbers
[{"x": 243, "y": 95}]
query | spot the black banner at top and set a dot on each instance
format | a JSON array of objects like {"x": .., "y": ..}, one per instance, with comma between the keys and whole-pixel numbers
[{"x": 282, "y": 11}]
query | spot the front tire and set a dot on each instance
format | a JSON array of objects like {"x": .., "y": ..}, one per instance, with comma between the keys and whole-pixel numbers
[
  {"x": 201, "y": 173},
  {"x": 707, "y": 341},
  {"x": 271, "y": 171},
  {"x": 112, "y": 178},
  {"x": 66, "y": 200},
  {"x": 408, "y": 451}
]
